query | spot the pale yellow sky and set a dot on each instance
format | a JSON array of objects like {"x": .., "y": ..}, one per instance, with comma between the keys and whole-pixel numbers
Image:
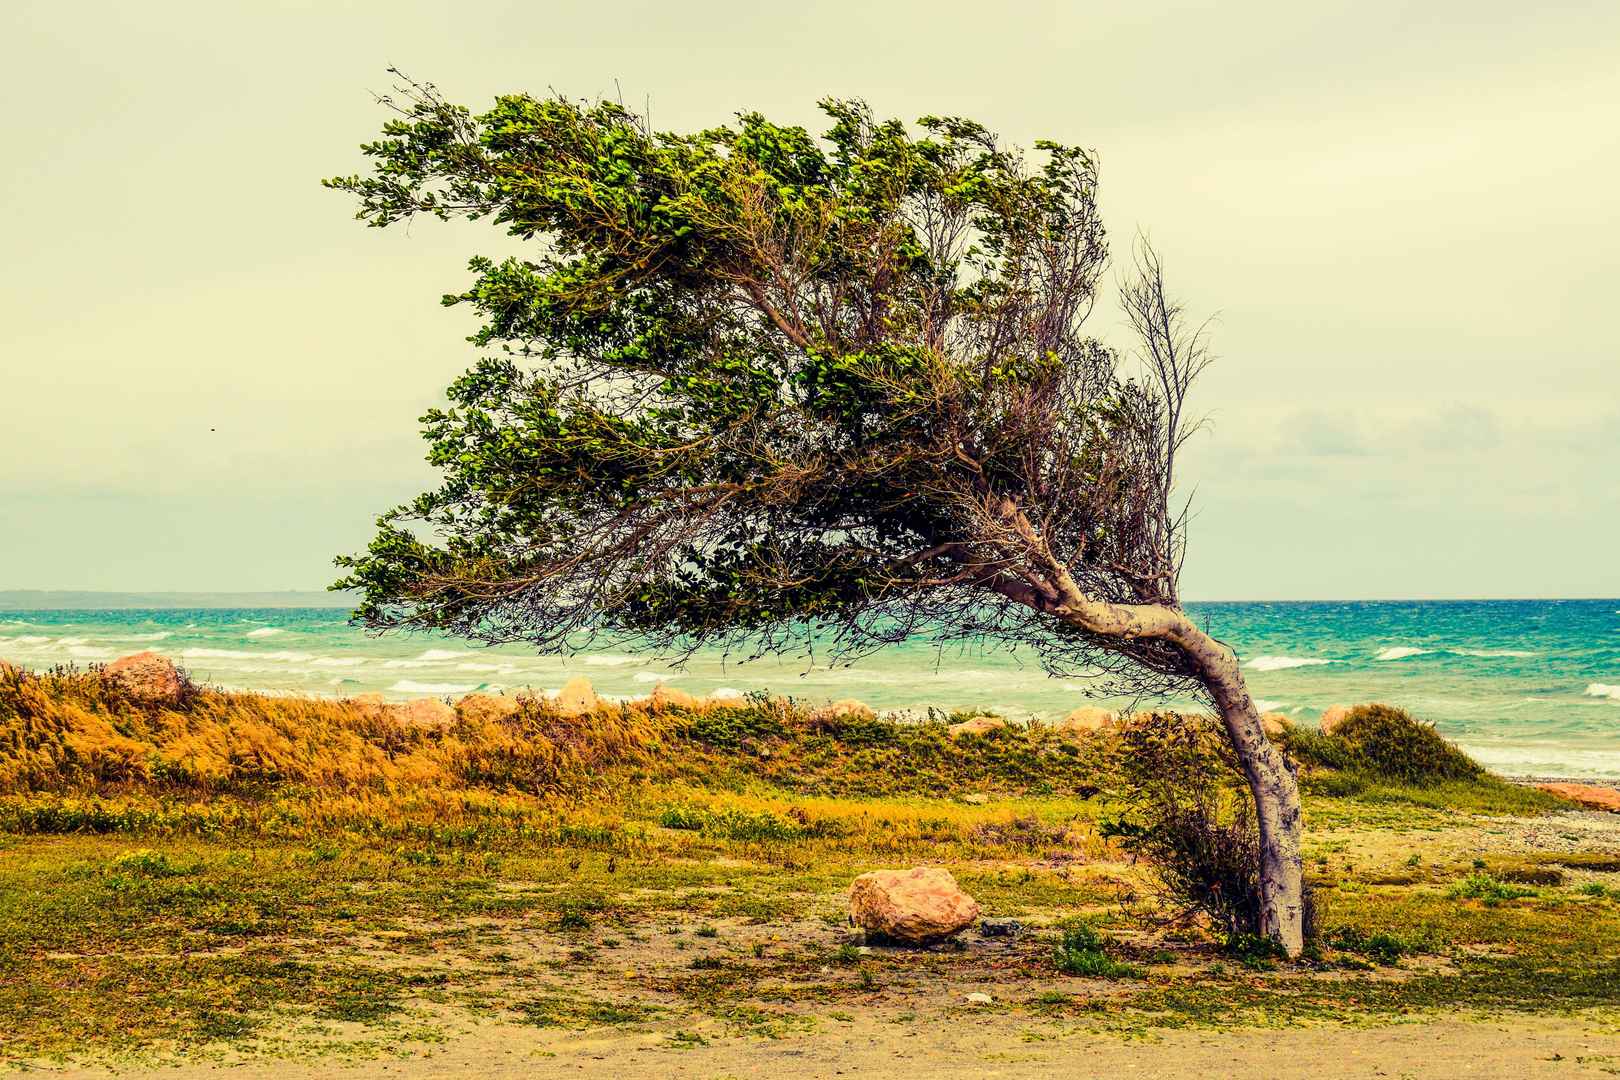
[{"x": 1404, "y": 213}]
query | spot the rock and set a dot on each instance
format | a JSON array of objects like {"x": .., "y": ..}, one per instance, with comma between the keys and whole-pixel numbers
[
  {"x": 976, "y": 726},
  {"x": 975, "y": 798},
  {"x": 980, "y": 998},
  {"x": 1275, "y": 723},
  {"x": 1087, "y": 719},
  {"x": 1333, "y": 717},
  {"x": 425, "y": 713},
  {"x": 1007, "y": 928},
  {"x": 8, "y": 668},
  {"x": 918, "y": 906},
  {"x": 576, "y": 698},
  {"x": 146, "y": 676},
  {"x": 369, "y": 705},
  {"x": 486, "y": 708},
  {"x": 667, "y": 697},
  {"x": 1590, "y": 796},
  {"x": 848, "y": 709}
]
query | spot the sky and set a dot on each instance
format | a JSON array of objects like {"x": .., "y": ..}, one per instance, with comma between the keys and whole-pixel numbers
[{"x": 1402, "y": 216}]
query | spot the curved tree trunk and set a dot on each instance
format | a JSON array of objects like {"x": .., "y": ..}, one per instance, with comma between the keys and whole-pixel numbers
[{"x": 1276, "y": 801}]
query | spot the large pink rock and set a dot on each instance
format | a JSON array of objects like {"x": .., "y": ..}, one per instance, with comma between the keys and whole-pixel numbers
[
  {"x": 1590, "y": 796},
  {"x": 1333, "y": 717},
  {"x": 848, "y": 709},
  {"x": 1275, "y": 723},
  {"x": 920, "y": 905},
  {"x": 145, "y": 676},
  {"x": 665, "y": 696}
]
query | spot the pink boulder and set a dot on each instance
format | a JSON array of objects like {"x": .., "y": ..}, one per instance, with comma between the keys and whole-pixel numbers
[
  {"x": 145, "y": 676},
  {"x": 918, "y": 906}
]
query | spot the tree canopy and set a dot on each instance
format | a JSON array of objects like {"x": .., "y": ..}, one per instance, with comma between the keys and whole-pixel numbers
[{"x": 758, "y": 387}]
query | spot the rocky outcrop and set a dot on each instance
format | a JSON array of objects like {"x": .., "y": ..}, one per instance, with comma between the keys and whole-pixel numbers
[
  {"x": 1275, "y": 723},
  {"x": 918, "y": 906},
  {"x": 726, "y": 699},
  {"x": 576, "y": 698},
  {"x": 486, "y": 708},
  {"x": 146, "y": 676},
  {"x": 1590, "y": 796},
  {"x": 979, "y": 725},
  {"x": 668, "y": 697},
  {"x": 1087, "y": 720},
  {"x": 428, "y": 713},
  {"x": 1333, "y": 717}
]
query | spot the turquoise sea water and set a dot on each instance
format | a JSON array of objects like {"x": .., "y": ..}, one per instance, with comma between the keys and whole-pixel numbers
[{"x": 1530, "y": 687}]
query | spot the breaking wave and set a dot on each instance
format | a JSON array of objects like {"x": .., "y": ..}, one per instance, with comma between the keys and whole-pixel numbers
[
  {"x": 1283, "y": 663},
  {"x": 1401, "y": 652},
  {"x": 410, "y": 686},
  {"x": 243, "y": 654},
  {"x": 1603, "y": 690},
  {"x": 265, "y": 631}
]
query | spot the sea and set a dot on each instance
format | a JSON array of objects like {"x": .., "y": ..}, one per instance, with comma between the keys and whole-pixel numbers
[{"x": 1529, "y": 687}]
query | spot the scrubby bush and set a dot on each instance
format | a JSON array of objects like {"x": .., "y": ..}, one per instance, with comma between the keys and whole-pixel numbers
[
  {"x": 1384, "y": 742},
  {"x": 1082, "y": 951},
  {"x": 1187, "y": 814}
]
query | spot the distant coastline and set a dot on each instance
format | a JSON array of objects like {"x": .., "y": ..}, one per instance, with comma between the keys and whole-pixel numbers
[{"x": 88, "y": 600}]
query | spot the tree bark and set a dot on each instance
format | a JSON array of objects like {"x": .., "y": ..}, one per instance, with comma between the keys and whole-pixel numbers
[
  {"x": 1276, "y": 801},
  {"x": 1271, "y": 783}
]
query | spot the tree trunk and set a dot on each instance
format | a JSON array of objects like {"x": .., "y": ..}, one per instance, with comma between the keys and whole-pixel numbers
[{"x": 1276, "y": 802}]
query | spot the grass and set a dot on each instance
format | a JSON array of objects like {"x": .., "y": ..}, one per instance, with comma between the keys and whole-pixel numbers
[{"x": 250, "y": 872}]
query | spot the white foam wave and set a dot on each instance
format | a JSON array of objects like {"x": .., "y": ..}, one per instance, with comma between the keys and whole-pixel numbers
[
  {"x": 608, "y": 660},
  {"x": 69, "y": 642},
  {"x": 728, "y": 693},
  {"x": 241, "y": 654},
  {"x": 265, "y": 631},
  {"x": 25, "y": 640},
  {"x": 488, "y": 669},
  {"x": 1268, "y": 706},
  {"x": 1603, "y": 690},
  {"x": 1283, "y": 663},
  {"x": 1401, "y": 652},
  {"x": 410, "y": 686},
  {"x": 431, "y": 655},
  {"x": 158, "y": 636},
  {"x": 338, "y": 661},
  {"x": 89, "y": 652},
  {"x": 1490, "y": 653},
  {"x": 657, "y": 676}
]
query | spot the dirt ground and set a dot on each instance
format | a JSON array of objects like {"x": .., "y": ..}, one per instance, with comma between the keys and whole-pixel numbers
[{"x": 994, "y": 1047}]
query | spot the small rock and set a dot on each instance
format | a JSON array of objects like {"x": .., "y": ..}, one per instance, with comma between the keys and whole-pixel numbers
[
  {"x": 1275, "y": 723},
  {"x": 979, "y": 725},
  {"x": 146, "y": 676},
  {"x": 975, "y": 798},
  {"x": 1007, "y": 928},
  {"x": 425, "y": 713},
  {"x": 1086, "y": 720},
  {"x": 726, "y": 698},
  {"x": 576, "y": 698},
  {"x": 920, "y": 905},
  {"x": 486, "y": 708},
  {"x": 667, "y": 697},
  {"x": 1591, "y": 796},
  {"x": 1332, "y": 717},
  {"x": 979, "y": 998}
]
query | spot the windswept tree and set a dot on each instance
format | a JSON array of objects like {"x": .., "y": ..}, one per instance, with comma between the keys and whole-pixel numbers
[{"x": 767, "y": 391}]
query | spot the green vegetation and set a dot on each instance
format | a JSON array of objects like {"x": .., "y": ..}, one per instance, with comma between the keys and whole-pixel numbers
[{"x": 689, "y": 883}]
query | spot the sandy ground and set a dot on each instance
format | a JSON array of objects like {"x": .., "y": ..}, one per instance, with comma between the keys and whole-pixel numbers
[{"x": 991, "y": 1048}]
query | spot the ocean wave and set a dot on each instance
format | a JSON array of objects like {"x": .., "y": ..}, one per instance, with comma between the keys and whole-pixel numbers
[
  {"x": 69, "y": 642},
  {"x": 1491, "y": 653},
  {"x": 338, "y": 661},
  {"x": 264, "y": 631},
  {"x": 1603, "y": 690},
  {"x": 657, "y": 676},
  {"x": 609, "y": 660},
  {"x": 1283, "y": 663},
  {"x": 89, "y": 652},
  {"x": 25, "y": 640},
  {"x": 1262, "y": 705},
  {"x": 489, "y": 669},
  {"x": 242, "y": 654},
  {"x": 410, "y": 686},
  {"x": 728, "y": 693},
  {"x": 1401, "y": 652}
]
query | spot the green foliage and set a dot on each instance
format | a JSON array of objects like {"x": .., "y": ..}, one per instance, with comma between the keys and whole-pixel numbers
[
  {"x": 1486, "y": 887},
  {"x": 1080, "y": 950},
  {"x": 1382, "y": 742}
]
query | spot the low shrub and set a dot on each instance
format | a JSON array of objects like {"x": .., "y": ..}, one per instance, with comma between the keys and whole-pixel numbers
[
  {"x": 1081, "y": 951},
  {"x": 1486, "y": 887},
  {"x": 1379, "y": 741}
]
